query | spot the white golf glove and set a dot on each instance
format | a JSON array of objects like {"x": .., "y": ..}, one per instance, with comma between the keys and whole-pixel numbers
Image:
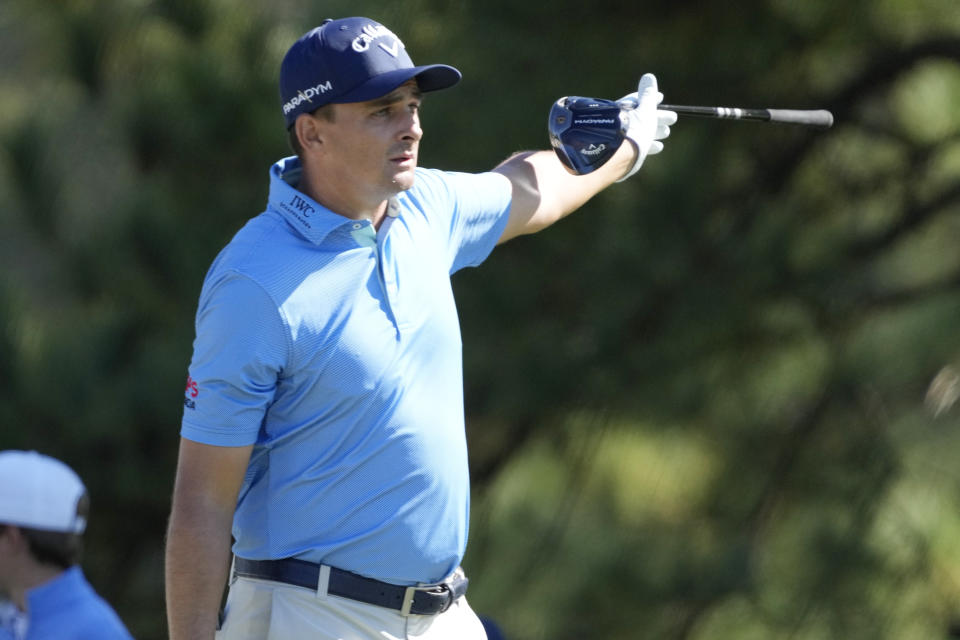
[{"x": 648, "y": 124}]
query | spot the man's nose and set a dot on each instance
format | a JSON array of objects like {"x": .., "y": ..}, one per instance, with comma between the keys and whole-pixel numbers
[{"x": 412, "y": 130}]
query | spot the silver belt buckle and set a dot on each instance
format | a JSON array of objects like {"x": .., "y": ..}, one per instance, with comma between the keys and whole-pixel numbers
[
  {"x": 457, "y": 578},
  {"x": 409, "y": 594}
]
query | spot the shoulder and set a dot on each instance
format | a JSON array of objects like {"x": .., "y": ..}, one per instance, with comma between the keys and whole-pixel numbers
[
  {"x": 73, "y": 609},
  {"x": 263, "y": 234},
  {"x": 437, "y": 187},
  {"x": 99, "y": 618},
  {"x": 255, "y": 253},
  {"x": 438, "y": 179},
  {"x": 430, "y": 184}
]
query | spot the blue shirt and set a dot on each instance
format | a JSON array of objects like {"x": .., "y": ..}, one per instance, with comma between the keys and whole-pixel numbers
[
  {"x": 67, "y": 608},
  {"x": 335, "y": 350}
]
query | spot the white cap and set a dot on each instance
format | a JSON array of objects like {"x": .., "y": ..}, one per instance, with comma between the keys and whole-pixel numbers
[{"x": 39, "y": 492}]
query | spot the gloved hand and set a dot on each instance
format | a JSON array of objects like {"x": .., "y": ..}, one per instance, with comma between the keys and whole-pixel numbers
[{"x": 648, "y": 124}]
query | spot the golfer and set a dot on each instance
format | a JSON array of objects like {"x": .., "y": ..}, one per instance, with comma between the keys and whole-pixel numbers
[{"x": 323, "y": 424}]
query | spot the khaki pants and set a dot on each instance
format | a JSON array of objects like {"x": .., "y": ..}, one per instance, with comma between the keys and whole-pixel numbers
[{"x": 265, "y": 610}]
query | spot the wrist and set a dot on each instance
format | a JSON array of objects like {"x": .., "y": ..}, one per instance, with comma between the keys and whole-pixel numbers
[{"x": 631, "y": 161}]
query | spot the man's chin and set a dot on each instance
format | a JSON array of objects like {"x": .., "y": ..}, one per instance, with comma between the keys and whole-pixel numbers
[{"x": 404, "y": 180}]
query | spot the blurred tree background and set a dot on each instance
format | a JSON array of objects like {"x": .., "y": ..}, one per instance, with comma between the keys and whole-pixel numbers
[{"x": 697, "y": 410}]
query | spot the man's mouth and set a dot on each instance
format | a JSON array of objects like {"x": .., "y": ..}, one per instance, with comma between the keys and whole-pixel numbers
[{"x": 406, "y": 157}]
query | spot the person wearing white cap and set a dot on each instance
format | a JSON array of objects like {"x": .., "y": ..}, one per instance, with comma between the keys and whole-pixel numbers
[{"x": 43, "y": 514}]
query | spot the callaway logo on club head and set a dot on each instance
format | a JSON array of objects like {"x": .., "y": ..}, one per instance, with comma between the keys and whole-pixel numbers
[{"x": 594, "y": 149}]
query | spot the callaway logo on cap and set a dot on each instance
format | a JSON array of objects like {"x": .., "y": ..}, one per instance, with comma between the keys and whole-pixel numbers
[
  {"x": 39, "y": 492},
  {"x": 350, "y": 60}
]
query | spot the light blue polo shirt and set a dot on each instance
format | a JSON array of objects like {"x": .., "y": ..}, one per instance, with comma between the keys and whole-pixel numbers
[
  {"x": 67, "y": 608},
  {"x": 335, "y": 350}
]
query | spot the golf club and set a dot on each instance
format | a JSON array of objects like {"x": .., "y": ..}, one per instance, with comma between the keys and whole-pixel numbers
[{"x": 818, "y": 118}]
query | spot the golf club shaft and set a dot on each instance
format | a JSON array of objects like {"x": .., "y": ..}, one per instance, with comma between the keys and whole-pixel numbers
[{"x": 819, "y": 118}]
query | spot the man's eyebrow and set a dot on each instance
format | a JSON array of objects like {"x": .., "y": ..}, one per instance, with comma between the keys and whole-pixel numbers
[{"x": 396, "y": 96}]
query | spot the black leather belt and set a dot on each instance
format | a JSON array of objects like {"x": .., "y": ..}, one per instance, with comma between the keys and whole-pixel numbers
[{"x": 427, "y": 600}]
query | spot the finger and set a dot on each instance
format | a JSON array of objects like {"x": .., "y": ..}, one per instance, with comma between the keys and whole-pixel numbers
[
  {"x": 650, "y": 99},
  {"x": 648, "y": 82},
  {"x": 666, "y": 117},
  {"x": 655, "y": 147},
  {"x": 647, "y": 90}
]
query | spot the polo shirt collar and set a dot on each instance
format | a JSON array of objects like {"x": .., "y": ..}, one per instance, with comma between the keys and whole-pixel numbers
[{"x": 314, "y": 221}]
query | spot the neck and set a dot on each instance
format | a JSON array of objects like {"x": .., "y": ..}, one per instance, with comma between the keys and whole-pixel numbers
[
  {"x": 372, "y": 211},
  {"x": 352, "y": 204},
  {"x": 31, "y": 578}
]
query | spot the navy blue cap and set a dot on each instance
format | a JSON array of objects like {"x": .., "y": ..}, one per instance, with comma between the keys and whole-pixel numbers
[{"x": 350, "y": 60}]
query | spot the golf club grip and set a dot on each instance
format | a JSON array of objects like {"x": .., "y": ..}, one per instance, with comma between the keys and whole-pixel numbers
[{"x": 819, "y": 118}]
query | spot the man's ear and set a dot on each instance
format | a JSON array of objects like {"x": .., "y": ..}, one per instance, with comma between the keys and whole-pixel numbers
[
  {"x": 12, "y": 537},
  {"x": 309, "y": 132}
]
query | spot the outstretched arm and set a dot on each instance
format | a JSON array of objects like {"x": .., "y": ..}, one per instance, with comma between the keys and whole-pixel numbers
[{"x": 544, "y": 191}]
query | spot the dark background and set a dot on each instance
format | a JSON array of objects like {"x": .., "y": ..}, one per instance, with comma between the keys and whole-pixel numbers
[{"x": 697, "y": 409}]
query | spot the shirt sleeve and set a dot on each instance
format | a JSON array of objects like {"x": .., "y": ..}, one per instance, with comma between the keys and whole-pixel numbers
[
  {"x": 470, "y": 210},
  {"x": 239, "y": 352}
]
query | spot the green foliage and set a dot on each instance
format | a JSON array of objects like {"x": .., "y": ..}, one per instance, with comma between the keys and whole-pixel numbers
[{"x": 695, "y": 408}]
